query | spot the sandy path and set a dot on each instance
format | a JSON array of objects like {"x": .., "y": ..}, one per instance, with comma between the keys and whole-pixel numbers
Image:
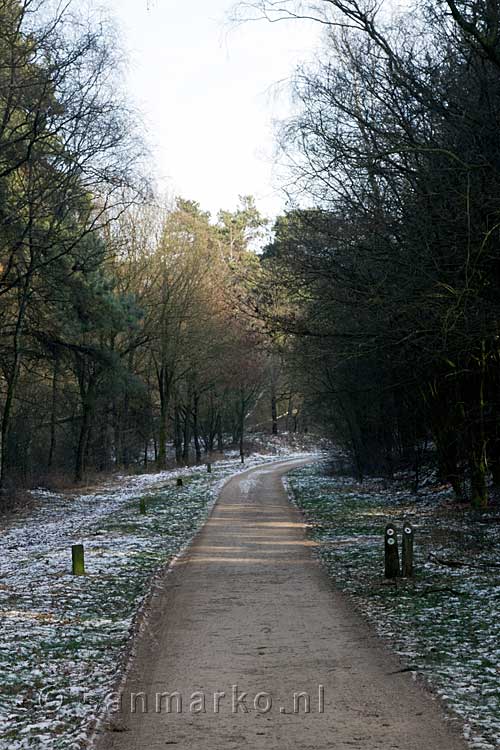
[{"x": 250, "y": 607}]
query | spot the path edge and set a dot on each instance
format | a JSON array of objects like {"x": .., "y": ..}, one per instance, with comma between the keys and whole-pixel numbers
[
  {"x": 141, "y": 616},
  {"x": 454, "y": 721}
]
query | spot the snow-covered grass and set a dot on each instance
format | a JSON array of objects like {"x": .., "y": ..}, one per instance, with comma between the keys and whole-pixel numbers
[
  {"x": 63, "y": 638},
  {"x": 446, "y": 623},
  {"x": 289, "y": 442}
]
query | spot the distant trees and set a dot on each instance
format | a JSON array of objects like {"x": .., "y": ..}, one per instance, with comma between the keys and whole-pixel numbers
[
  {"x": 389, "y": 286},
  {"x": 118, "y": 331},
  {"x": 69, "y": 163},
  {"x": 130, "y": 348},
  {"x": 198, "y": 360},
  {"x": 125, "y": 334}
]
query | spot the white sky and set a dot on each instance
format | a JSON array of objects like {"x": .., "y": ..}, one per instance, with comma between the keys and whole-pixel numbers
[{"x": 205, "y": 92}]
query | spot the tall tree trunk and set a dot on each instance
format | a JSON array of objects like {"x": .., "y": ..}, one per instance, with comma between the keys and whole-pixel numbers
[
  {"x": 275, "y": 372},
  {"x": 125, "y": 442},
  {"x": 53, "y": 411},
  {"x": 118, "y": 433},
  {"x": 6, "y": 420},
  {"x": 212, "y": 425},
  {"x": 11, "y": 385},
  {"x": 103, "y": 444},
  {"x": 88, "y": 404},
  {"x": 478, "y": 461},
  {"x": 196, "y": 432},
  {"x": 274, "y": 412},
  {"x": 289, "y": 414},
  {"x": 177, "y": 436},
  {"x": 82, "y": 445},
  {"x": 242, "y": 426},
  {"x": 126, "y": 417},
  {"x": 164, "y": 392},
  {"x": 16, "y": 344},
  {"x": 220, "y": 436},
  {"x": 186, "y": 432},
  {"x": 494, "y": 455}
]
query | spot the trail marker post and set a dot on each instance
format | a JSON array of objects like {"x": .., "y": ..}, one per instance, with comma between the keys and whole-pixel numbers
[
  {"x": 142, "y": 506},
  {"x": 209, "y": 468},
  {"x": 78, "y": 560},
  {"x": 392, "y": 569},
  {"x": 179, "y": 482},
  {"x": 408, "y": 544}
]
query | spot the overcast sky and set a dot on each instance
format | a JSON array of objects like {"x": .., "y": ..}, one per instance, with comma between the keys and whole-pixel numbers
[{"x": 206, "y": 93}]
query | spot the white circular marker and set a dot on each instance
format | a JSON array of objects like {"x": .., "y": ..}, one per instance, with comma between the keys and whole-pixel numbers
[
  {"x": 390, "y": 532},
  {"x": 390, "y": 541},
  {"x": 407, "y": 530}
]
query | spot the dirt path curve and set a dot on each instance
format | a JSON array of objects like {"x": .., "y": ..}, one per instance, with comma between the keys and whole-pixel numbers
[{"x": 248, "y": 606}]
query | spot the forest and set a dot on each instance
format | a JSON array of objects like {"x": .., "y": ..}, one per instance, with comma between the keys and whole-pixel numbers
[
  {"x": 250, "y": 456},
  {"x": 137, "y": 329},
  {"x": 386, "y": 281},
  {"x": 122, "y": 340}
]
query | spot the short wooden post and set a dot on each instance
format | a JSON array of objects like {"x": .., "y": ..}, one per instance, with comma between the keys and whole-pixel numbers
[
  {"x": 408, "y": 543},
  {"x": 179, "y": 482},
  {"x": 392, "y": 569},
  {"x": 242, "y": 455},
  {"x": 78, "y": 559},
  {"x": 142, "y": 506},
  {"x": 209, "y": 468}
]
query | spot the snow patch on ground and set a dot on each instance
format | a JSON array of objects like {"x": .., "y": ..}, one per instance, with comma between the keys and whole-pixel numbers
[
  {"x": 446, "y": 623},
  {"x": 63, "y": 638}
]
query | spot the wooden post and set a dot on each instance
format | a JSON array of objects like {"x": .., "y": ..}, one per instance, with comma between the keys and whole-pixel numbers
[
  {"x": 209, "y": 468},
  {"x": 179, "y": 482},
  {"x": 242, "y": 458},
  {"x": 408, "y": 540},
  {"x": 78, "y": 560},
  {"x": 142, "y": 506},
  {"x": 391, "y": 552}
]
